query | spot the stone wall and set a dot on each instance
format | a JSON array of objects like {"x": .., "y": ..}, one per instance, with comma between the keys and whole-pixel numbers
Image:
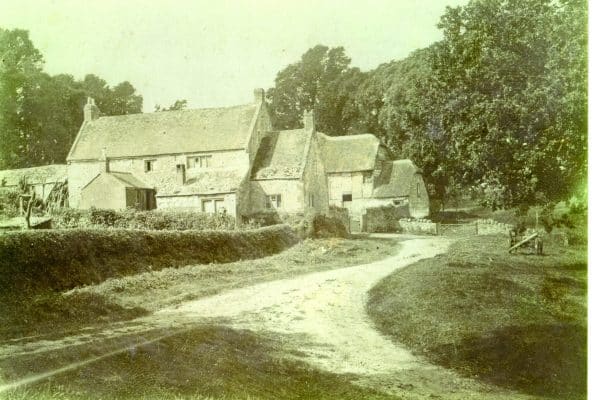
[
  {"x": 315, "y": 181},
  {"x": 491, "y": 227},
  {"x": 194, "y": 202},
  {"x": 418, "y": 226}
]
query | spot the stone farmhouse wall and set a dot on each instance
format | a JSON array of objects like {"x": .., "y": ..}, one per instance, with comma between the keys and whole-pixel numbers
[
  {"x": 228, "y": 201},
  {"x": 163, "y": 175},
  {"x": 316, "y": 199}
]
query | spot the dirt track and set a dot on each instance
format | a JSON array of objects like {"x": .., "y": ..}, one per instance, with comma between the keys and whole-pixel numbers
[
  {"x": 326, "y": 308},
  {"x": 321, "y": 316}
]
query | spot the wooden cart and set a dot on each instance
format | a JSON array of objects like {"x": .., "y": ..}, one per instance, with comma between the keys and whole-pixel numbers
[{"x": 533, "y": 242}]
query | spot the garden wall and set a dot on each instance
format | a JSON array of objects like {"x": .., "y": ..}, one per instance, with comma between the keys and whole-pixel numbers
[{"x": 64, "y": 259}]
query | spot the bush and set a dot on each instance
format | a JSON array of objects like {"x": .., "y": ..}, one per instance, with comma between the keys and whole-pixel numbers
[
  {"x": 385, "y": 218},
  {"x": 327, "y": 227},
  {"x": 63, "y": 259},
  {"x": 149, "y": 220},
  {"x": 9, "y": 203}
]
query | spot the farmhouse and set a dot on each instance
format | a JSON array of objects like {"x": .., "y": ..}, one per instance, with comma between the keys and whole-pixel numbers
[{"x": 231, "y": 160}]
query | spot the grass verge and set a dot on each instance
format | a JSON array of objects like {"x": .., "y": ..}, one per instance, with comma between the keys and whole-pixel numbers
[
  {"x": 209, "y": 362},
  {"x": 517, "y": 321}
]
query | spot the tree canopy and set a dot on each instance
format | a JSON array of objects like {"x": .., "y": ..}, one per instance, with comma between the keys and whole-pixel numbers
[
  {"x": 497, "y": 108},
  {"x": 41, "y": 114}
]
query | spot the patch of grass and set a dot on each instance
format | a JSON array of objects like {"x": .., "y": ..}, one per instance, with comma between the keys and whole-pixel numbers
[
  {"x": 154, "y": 290},
  {"x": 210, "y": 362},
  {"x": 518, "y": 321}
]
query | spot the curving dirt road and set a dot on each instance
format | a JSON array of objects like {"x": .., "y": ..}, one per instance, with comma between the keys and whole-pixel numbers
[
  {"x": 322, "y": 317},
  {"x": 326, "y": 308}
]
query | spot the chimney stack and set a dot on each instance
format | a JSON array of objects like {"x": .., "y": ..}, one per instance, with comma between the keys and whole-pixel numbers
[
  {"x": 309, "y": 120},
  {"x": 106, "y": 160},
  {"x": 181, "y": 174},
  {"x": 90, "y": 110},
  {"x": 259, "y": 95}
]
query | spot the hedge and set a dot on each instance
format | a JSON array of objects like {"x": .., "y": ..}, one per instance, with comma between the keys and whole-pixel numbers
[
  {"x": 153, "y": 220},
  {"x": 64, "y": 259}
]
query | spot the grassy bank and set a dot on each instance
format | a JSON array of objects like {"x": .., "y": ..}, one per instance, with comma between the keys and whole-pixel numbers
[
  {"x": 518, "y": 321},
  {"x": 123, "y": 298},
  {"x": 208, "y": 362}
]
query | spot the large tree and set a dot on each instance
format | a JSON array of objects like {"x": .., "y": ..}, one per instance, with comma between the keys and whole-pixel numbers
[
  {"x": 321, "y": 81},
  {"x": 41, "y": 114}
]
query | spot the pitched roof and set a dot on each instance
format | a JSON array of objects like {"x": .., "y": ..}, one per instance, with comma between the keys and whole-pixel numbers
[
  {"x": 44, "y": 174},
  {"x": 395, "y": 179},
  {"x": 124, "y": 179},
  {"x": 349, "y": 153},
  {"x": 206, "y": 182},
  {"x": 167, "y": 132},
  {"x": 129, "y": 180},
  {"x": 282, "y": 155}
]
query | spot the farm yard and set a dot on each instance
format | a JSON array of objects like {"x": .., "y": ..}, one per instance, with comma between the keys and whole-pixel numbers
[{"x": 295, "y": 323}]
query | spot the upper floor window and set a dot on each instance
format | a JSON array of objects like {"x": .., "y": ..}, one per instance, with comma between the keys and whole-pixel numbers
[
  {"x": 347, "y": 197},
  {"x": 203, "y": 161},
  {"x": 148, "y": 165},
  {"x": 311, "y": 200},
  {"x": 418, "y": 189},
  {"x": 273, "y": 201}
]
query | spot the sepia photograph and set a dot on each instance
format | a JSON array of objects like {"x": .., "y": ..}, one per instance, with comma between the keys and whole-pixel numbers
[{"x": 272, "y": 200}]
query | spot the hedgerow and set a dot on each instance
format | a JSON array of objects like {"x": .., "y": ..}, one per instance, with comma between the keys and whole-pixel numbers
[{"x": 63, "y": 259}]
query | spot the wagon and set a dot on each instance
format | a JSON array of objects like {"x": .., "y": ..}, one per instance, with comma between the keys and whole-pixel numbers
[{"x": 531, "y": 241}]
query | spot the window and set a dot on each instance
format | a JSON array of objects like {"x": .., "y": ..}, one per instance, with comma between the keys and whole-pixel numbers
[
  {"x": 148, "y": 165},
  {"x": 213, "y": 206},
  {"x": 347, "y": 197},
  {"x": 418, "y": 190},
  {"x": 311, "y": 200},
  {"x": 273, "y": 201},
  {"x": 199, "y": 161}
]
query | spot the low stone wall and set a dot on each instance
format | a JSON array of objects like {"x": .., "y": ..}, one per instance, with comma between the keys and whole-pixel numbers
[
  {"x": 492, "y": 227},
  {"x": 418, "y": 226}
]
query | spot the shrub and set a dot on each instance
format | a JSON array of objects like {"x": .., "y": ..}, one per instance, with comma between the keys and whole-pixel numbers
[
  {"x": 63, "y": 259},
  {"x": 385, "y": 218},
  {"x": 9, "y": 203},
  {"x": 149, "y": 220},
  {"x": 327, "y": 227}
]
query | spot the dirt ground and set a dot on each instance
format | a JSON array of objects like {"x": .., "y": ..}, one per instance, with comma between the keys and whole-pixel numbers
[{"x": 320, "y": 318}]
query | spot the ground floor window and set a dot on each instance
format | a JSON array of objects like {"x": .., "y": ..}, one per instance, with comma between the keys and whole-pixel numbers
[
  {"x": 311, "y": 200},
  {"x": 273, "y": 201},
  {"x": 347, "y": 197},
  {"x": 213, "y": 206}
]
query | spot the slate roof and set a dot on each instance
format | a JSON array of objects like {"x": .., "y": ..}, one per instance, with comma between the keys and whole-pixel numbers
[
  {"x": 395, "y": 179},
  {"x": 206, "y": 182},
  {"x": 167, "y": 132},
  {"x": 282, "y": 155},
  {"x": 44, "y": 174},
  {"x": 349, "y": 153}
]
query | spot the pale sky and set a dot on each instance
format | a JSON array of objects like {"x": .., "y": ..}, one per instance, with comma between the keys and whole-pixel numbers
[{"x": 215, "y": 53}]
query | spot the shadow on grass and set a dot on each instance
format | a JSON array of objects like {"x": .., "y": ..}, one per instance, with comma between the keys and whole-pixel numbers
[
  {"x": 203, "y": 362},
  {"x": 52, "y": 313},
  {"x": 546, "y": 360}
]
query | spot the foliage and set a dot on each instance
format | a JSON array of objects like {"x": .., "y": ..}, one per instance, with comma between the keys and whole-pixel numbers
[
  {"x": 328, "y": 227},
  {"x": 384, "y": 218},
  {"x": 41, "y": 114},
  {"x": 321, "y": 81},
  {"x": 496, "y": 109},
  {"x": 9, "y": 203},
  {"x": 63, "y": 259},
  {"x": 148, "y": 220},
  {"x": 177, "y": 106}
]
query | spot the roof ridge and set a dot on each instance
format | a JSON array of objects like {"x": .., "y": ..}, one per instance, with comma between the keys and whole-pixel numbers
[{"x": 189, "y": 110}]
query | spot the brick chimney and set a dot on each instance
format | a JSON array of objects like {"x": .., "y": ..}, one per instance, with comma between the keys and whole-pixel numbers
[
  {"x": 309, "y": 120},
  {"x": 90, "y": 110},
  {"x": 181, "y": 174},
  {"x": 259, "y": 95}
]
